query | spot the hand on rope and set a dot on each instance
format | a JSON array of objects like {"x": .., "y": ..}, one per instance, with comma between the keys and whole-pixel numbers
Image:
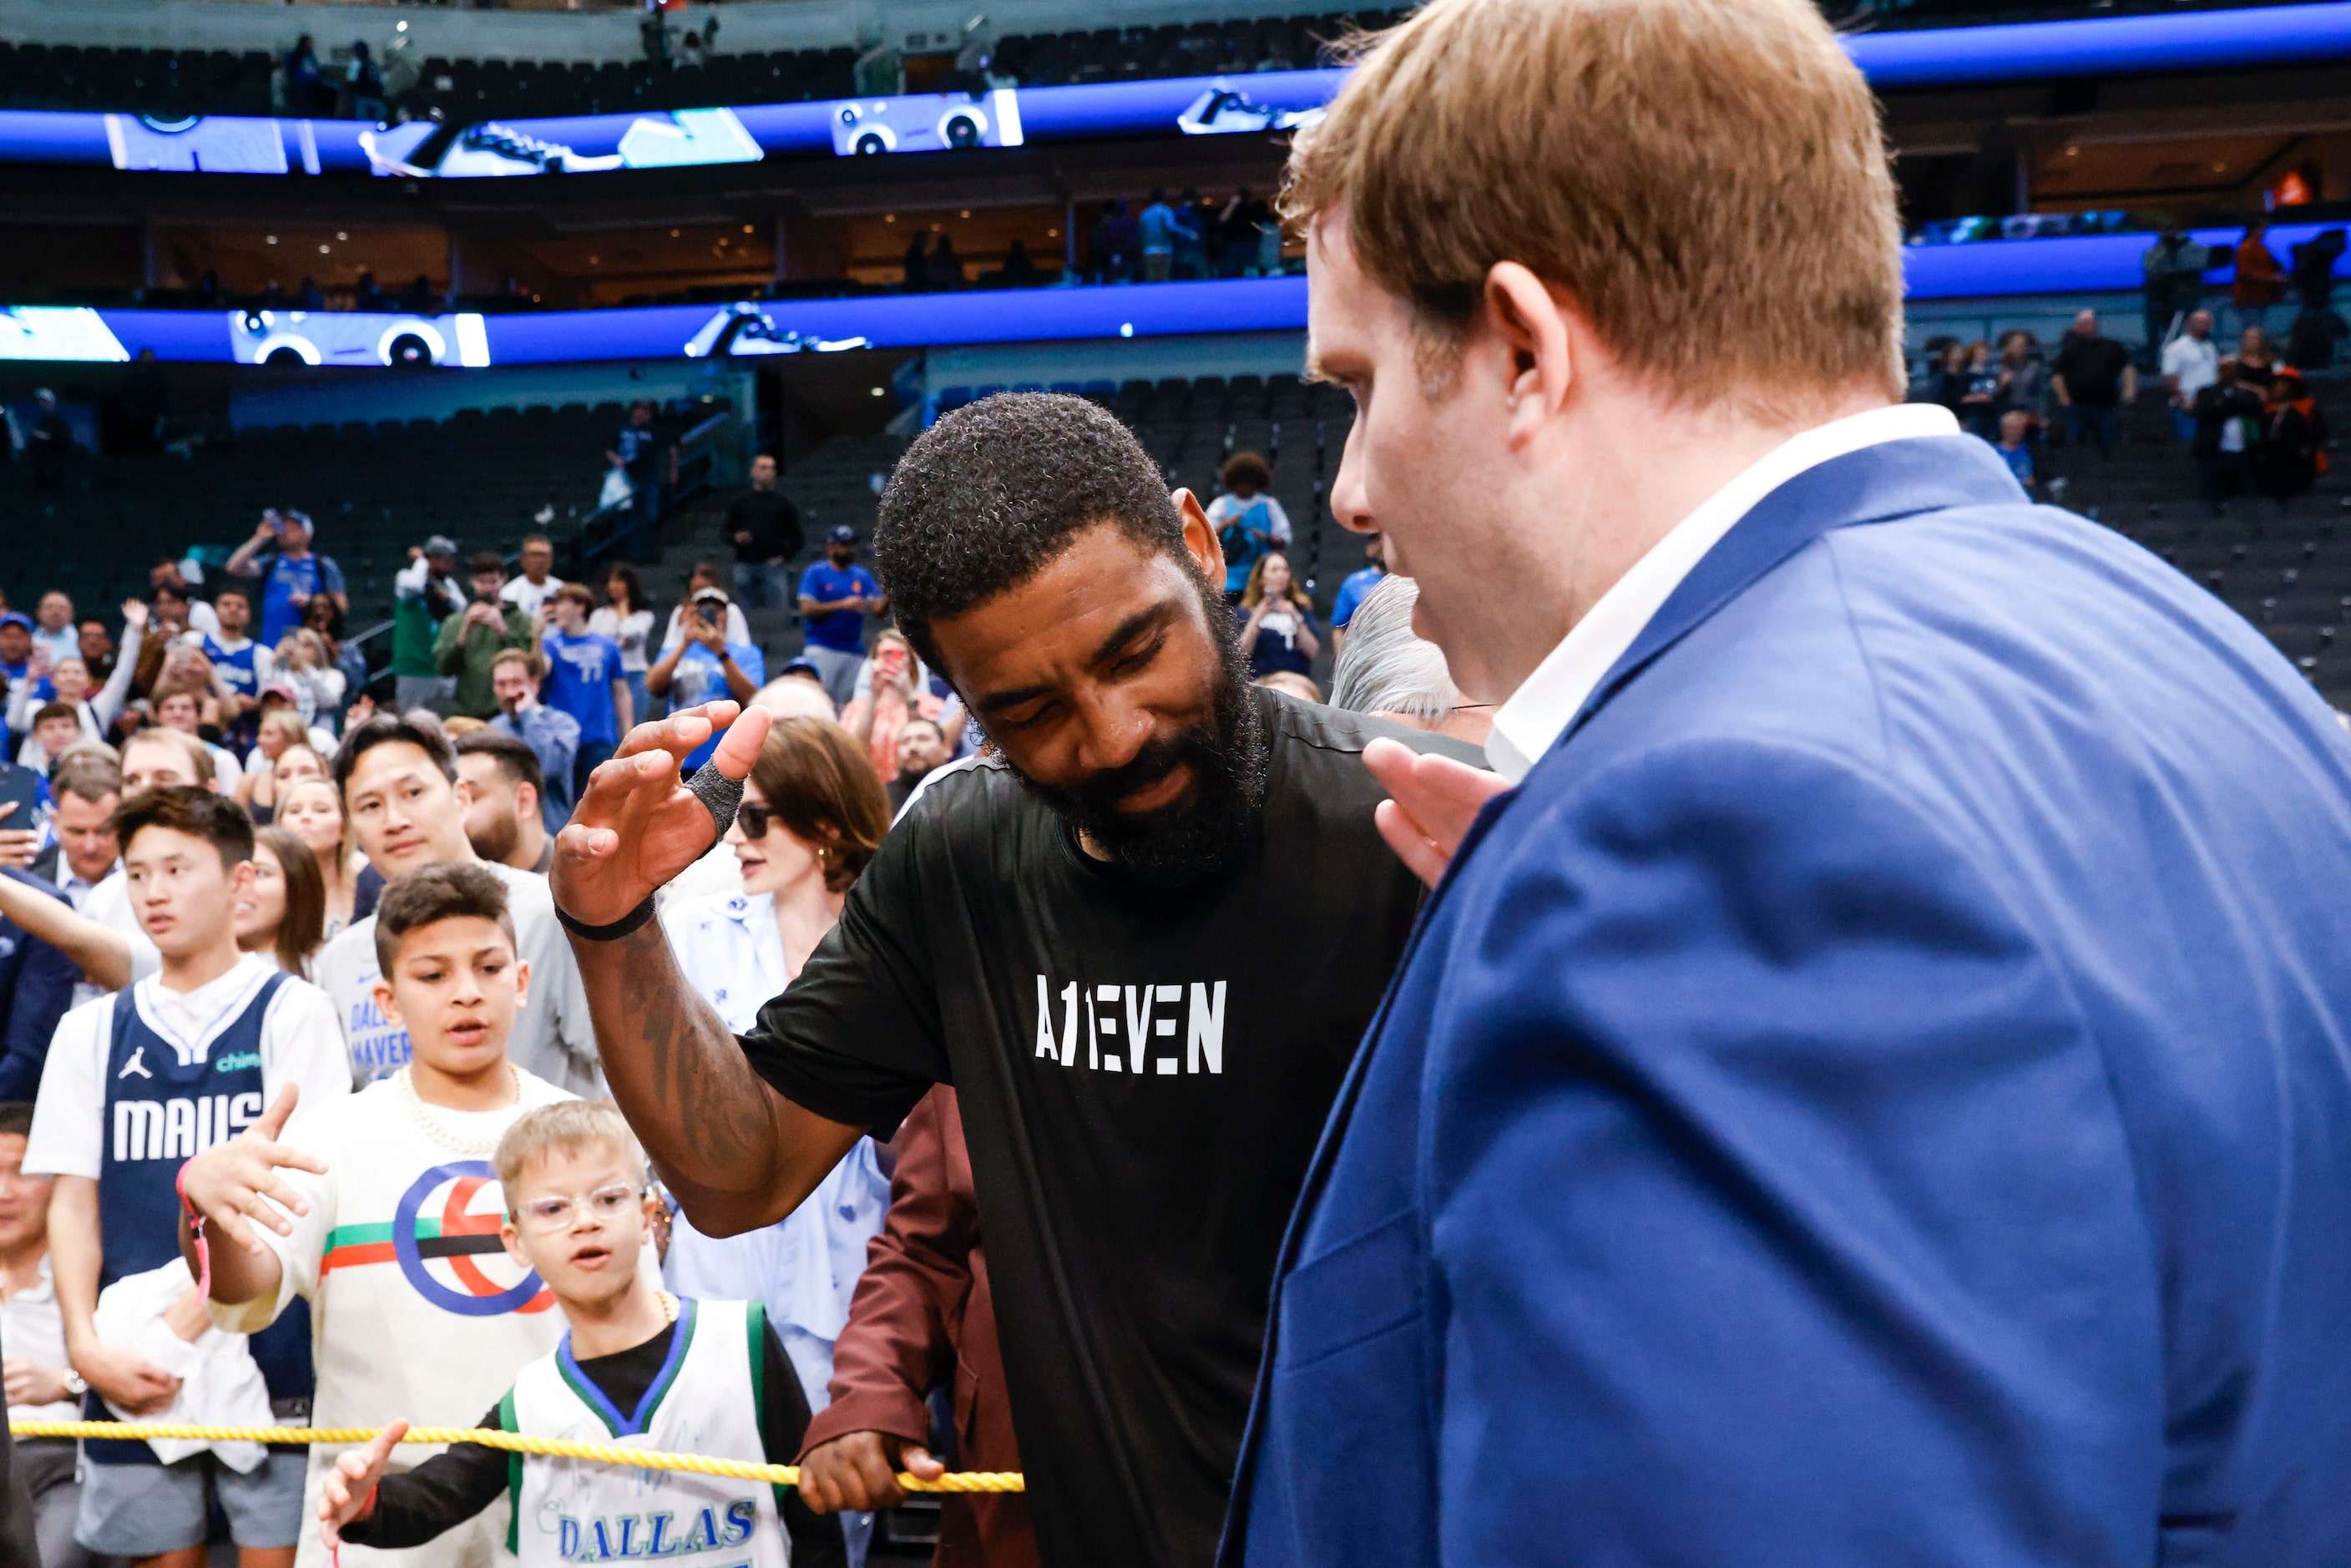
[{"x": 513, "y": 1442}]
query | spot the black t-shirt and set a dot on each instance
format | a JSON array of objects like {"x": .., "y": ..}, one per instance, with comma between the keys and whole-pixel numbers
[
  {"x": 772, "y": 521},
  {"x": 2093, "y": 368},
  {"x": 415, "y": 1506},
  {"x": 1142, "y": 1075}
]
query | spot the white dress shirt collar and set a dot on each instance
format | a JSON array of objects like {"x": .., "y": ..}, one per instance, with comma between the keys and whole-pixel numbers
[{"x": 1531, "y": 720}]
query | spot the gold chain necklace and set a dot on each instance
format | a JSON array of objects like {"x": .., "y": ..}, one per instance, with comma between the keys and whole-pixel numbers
[{"x": 438, "y": 1131}]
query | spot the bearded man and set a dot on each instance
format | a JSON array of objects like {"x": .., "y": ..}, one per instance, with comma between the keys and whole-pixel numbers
[{"x": 1142, "y": 937}]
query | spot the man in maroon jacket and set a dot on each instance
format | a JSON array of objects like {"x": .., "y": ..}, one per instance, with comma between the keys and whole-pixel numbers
[{"x": 922, "y": 1317}]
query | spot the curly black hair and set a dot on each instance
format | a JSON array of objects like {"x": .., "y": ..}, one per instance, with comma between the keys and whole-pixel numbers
[{"x": 988, "y": 495}]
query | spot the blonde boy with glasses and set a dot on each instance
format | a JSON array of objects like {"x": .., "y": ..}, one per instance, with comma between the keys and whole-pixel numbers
[{"x": 639, "y": 1368}]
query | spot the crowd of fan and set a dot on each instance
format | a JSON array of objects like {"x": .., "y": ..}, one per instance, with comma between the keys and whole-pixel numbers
[
  {"x": 2248, "y": 417},
  {"x": 209, "y": 816}
]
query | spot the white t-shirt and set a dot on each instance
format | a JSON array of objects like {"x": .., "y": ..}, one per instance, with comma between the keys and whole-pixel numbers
[
  {"x": 34, "y": 1330},
  {"x": 397, "y": 1332},
  {"x": 552, "y": 1038},
  {"x": 631, "y": 633},
  {"x": 300, "y": 1043},
  {"x": 529, "y": 595},
  {"x": 2195, "y": 360}
]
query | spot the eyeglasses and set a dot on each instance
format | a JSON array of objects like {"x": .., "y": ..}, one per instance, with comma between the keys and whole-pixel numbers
[
  {"x": 755, "y": 819},
  {"x": 556, "y": 1213}
]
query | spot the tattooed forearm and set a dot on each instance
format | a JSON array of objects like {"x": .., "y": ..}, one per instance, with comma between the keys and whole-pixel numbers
[{"x": 734, "y": 1152}]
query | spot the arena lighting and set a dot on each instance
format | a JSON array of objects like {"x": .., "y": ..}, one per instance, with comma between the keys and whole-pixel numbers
[
  {"x": 950, "y": 123},
  {"x": 2087, "y": 264}
]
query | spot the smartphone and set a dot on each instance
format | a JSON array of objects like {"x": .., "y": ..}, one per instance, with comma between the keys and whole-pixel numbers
[
  {"x": 21, "y": 787},
  {"x": 708, "y": 611}
]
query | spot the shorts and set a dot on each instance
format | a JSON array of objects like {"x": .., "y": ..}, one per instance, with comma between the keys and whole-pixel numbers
[{"x": 137, "y": 1511}]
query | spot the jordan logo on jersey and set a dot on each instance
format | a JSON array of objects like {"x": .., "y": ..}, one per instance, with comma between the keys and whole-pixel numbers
[
  {"x": 136, "y": 1065},
  {"x": 1133, "y": 1028}
]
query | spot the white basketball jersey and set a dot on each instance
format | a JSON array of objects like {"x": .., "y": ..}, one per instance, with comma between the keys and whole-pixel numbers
[{"x": 706, "y": 1400}]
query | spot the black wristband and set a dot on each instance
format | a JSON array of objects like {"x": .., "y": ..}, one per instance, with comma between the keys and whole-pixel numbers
[{"x": 612, "y": 933}]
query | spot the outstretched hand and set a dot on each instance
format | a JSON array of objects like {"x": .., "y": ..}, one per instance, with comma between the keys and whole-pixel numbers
[
  {"x": 349, "y": 1491},
  {"x": 637, "y": 826},
  {"x": 232, "y": 1185},
  {"x": 1431, "y": 802}
]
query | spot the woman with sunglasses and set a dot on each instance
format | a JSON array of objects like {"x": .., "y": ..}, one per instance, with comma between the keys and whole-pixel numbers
[{"x": 812, "y": 814}]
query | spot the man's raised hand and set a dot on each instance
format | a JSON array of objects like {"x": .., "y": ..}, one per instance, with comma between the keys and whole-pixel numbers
[
  {"x": 230, "y": 1183},
  {"x": 1431, "y": 802},
  {"x": 349, "y": 1491},
  {"x": 637, "y": 826}
]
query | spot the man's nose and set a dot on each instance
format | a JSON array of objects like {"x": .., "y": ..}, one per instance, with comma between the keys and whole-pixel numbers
[
  {"x": 1350, "y": 503},
  {"x": 1115, "y": 733}
]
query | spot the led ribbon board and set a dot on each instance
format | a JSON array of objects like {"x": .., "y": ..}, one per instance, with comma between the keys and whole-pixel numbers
[{"x": 1005, "y": 117}]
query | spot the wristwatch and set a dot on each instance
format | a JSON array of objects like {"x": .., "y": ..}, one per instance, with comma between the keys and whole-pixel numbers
[{"x": 76, "y": 1384}]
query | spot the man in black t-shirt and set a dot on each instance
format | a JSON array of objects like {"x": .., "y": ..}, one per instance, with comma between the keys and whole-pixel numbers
[
  {"x": 764, "y": 527},
  {"x": 1142, "y": 938},
  {"x": 2093, "y": 378}
]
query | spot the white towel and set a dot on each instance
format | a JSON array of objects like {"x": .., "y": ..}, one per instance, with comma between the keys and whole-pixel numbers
[{"x": 219, "y": 1383}]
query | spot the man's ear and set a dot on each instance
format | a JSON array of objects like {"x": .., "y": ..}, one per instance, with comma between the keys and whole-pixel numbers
[
  {"x": 463, "y": 789},
  {"x": 1536, "y": 335},
  {"x": 1199, "y": 537},
  {"x": 240, "y": 879},
  {"x": 524, "y": 792},
  {"x": 522, "y": 982}
]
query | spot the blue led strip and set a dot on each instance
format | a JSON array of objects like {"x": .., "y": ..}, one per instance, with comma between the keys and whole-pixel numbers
[
  {"x": 1989, "y": 269},
  {"x": 1949, "y": 56}
]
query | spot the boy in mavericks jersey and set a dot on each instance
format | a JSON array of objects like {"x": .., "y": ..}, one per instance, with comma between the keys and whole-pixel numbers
[
  {"x": 136, "y": 1084},
  {"x": 386, "y": 1210},
  {"x": 407, "y": 808},
  {"x": 638, "y": 1367},
  {"x": 244, "y": 664}
]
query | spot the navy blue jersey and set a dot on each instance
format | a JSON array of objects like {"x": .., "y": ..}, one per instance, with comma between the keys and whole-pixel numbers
[{"x": 161, "y": 1111}]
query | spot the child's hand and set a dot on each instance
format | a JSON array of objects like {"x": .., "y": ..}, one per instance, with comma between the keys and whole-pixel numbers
[
  {"x": 349, "y": 1490},
  {"x": 228, "y": 1182}
]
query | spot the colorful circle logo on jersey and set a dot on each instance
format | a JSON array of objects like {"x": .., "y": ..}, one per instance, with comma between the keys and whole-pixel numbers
[{"x": 447, "y": 1220}]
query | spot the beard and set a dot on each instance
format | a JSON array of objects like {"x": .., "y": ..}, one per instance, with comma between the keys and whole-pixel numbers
[
  {"x": 1227, "y": 755},
  {"x": 496, "y": 839}
]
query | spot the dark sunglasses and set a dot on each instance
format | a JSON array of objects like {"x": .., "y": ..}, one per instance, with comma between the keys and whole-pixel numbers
[{"x": 755, "y": 820}]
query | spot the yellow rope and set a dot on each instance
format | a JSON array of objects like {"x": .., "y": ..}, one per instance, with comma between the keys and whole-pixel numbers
[{"x": 597, "y": 1453}]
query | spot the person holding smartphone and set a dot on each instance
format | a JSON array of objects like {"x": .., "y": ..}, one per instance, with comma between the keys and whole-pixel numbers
[{"x": 702, "y": 665}]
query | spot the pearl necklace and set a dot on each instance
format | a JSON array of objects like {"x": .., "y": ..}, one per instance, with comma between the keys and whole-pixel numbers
[{"x": 434, "y": 1128}]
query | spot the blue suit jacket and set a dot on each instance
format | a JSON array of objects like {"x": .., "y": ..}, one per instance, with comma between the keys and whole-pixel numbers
[
  {"x": 36, "y": 985},
  {"x": 1876, "y": 1092}
]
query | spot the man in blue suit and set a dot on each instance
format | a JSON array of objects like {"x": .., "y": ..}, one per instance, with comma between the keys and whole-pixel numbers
[
  {"x": 36, "y": 985},
  {"x": 1870, "y": 1086}
]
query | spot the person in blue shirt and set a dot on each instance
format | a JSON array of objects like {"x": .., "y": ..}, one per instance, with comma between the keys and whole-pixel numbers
[
  {"x": 1353, "y": 589},
  {"x": 16, "y": 648},
  {"x": 584, "y": 679},
  {"x": 836, "y": 595},
  {"x": 1248, "y": 522},
  {"x": 292, "y": 577},
  {"x": 2015, "y": 449},
  {"x": 703, "y": 666},
  {"x": 552, "y": 735},
  {"x": 1161, "y": 227}
]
